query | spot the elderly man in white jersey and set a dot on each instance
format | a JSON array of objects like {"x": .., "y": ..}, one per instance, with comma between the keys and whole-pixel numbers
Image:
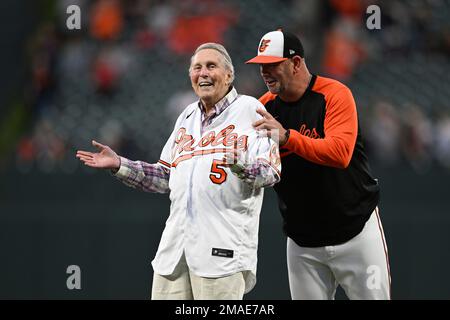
[{"x": 215, "y": 166}]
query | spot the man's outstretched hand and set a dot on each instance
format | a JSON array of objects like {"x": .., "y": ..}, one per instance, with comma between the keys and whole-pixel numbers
[{"x": 106, "y": 158}]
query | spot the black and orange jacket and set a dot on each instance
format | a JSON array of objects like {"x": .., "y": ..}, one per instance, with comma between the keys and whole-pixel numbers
[{"x": 326, "y": 193}]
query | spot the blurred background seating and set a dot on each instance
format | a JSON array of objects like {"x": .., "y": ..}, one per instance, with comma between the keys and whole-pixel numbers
[{"x": 122, "y": 79}]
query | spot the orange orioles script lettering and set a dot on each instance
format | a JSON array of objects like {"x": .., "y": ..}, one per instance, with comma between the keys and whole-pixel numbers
[
  {"x": 303, "y": 131},
  {"x": 264, "y": 44},
  {"x": 225, "y": 138},
  {"x": 309, "y": 133}
]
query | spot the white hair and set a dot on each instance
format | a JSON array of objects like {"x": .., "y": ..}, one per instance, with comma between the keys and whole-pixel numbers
[{"x": 226, "y": 59}]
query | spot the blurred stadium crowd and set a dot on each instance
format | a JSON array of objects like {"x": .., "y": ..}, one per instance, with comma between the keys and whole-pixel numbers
[{"x": 122, "y": 79}]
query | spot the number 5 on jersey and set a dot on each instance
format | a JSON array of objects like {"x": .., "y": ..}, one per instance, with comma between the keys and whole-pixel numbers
[{"x": 218, "y": 174}]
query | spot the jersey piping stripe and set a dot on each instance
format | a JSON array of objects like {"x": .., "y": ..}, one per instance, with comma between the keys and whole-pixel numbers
[
  {"x": 200, "y": 153},
  {"x": 385, "y": 249},
  {"x": 164, "y": 163},
  {"x": 270, "y": 164}
]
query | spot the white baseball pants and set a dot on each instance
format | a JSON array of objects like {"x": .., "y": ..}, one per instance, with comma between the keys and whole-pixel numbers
[{"x": 360, "y": 266}]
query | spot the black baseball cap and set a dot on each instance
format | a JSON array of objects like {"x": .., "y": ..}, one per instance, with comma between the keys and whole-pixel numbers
[{"x": 277, "y": 46}]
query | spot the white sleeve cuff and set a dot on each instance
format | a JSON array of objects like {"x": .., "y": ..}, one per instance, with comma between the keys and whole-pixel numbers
[{"x": 123, "y": 171}]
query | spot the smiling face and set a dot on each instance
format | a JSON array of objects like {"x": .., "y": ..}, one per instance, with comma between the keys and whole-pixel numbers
[
  {"x": 277, "y": 76},
  {"x": 210, "y": 78}
]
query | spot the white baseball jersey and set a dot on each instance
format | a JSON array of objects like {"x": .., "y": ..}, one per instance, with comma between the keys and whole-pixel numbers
[{"x": 214, "y": 215}]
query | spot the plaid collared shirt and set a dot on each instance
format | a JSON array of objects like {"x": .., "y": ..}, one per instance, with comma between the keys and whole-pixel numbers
[
  {"x": 219, "y": 107},
  {"x": 155, "y": 177}
]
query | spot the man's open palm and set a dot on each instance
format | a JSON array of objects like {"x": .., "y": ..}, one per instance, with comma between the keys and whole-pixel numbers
[{"x": 106, "y": 158}]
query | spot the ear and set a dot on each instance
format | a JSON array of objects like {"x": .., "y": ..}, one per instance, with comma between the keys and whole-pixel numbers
[
  {"x": 228, "y": 78},
  {"x": 297, "y": 62}
]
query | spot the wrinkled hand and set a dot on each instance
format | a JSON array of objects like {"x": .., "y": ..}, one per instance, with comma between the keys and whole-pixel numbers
[
  {"x": 106, "y": 158},
  {"x": 271, "y": 126}
]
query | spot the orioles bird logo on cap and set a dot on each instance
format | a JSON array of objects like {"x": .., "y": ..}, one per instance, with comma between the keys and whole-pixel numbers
[{"x": 264, "y": 44}]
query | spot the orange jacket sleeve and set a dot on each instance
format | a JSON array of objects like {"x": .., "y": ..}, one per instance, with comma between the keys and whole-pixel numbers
[{"x": 340, "y": 128}]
